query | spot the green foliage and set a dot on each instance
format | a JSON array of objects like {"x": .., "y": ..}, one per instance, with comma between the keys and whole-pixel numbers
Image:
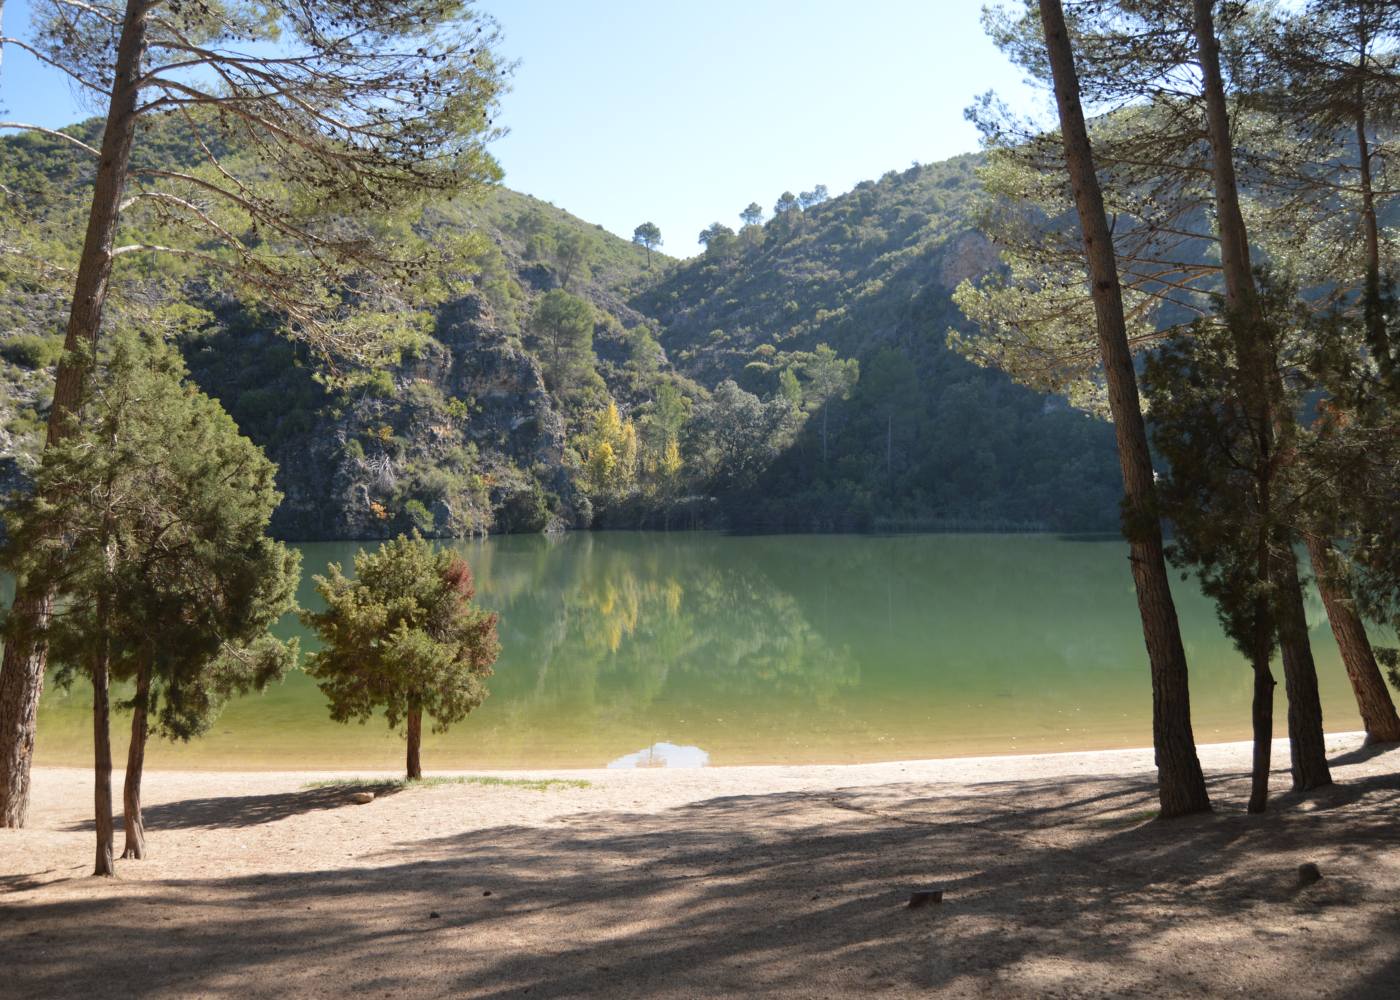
[
  {"x": 563, "y": 332},
  {"x": 865, "y": 272},
  {"x": 942, "y": 442},
  {"x": 32, "y": 351},
  {"x": 402, "y": 636},
  {"x": 150, "y": 523},
  {"x": 572, "y": 248},
  {"x": 648, "y": 235},
  {"x": 718, "y": 234},
  {"x": 419, "y": 518},
  {"x": 1224, "y": 515}
]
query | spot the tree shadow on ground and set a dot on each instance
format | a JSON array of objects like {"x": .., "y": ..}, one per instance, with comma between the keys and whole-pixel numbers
[
  {"x": 251, "y": 810},
  {"x": 794, "y": 894},
  {"x": 1363, "y": 753}
]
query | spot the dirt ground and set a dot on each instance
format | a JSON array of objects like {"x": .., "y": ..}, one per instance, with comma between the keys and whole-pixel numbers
[{"x": 723, "y": 882}]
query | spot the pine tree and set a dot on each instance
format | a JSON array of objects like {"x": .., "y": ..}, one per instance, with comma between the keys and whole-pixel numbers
[
  {"x": 149, "y": 522},
  {"x": 334, "y": 112},
  {"x": 402, "y": 637}
]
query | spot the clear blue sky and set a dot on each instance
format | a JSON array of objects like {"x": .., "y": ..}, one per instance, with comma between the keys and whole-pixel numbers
[{"x": 626, "y": 111}]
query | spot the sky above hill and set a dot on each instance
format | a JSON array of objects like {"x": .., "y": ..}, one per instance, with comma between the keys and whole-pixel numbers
[{"x": 628, "y": 111}]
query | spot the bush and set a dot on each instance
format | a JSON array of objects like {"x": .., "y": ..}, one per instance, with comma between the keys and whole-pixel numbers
[
  {"x": 29, "y": 350},
  {"x": 419, "y": 517}
]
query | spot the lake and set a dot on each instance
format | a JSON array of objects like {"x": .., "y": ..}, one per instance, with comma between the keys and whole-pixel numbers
[{"x": 638, "y": 648}]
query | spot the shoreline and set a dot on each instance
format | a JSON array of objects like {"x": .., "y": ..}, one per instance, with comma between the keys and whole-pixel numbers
[{"x": 1106, "y": 761}]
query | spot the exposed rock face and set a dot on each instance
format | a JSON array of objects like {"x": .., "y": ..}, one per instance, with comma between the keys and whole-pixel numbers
[
  {"x": 470, "y": 434},
  {"x": 968, "y": 255}
]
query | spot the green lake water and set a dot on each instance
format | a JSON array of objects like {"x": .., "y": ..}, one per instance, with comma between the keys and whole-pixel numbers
[{"x": 690, "y": 648}]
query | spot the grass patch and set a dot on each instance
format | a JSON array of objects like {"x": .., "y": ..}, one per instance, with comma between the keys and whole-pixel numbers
[{"x": 375, "y": 784}]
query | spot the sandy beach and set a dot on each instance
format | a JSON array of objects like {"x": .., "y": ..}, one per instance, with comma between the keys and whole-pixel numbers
[{"x": 772, "y": 881}]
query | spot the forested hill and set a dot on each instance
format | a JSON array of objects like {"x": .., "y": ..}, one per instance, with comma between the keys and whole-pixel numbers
[
  {"x": 925, "y": 438},
  {"x": 793, "y": 376}
]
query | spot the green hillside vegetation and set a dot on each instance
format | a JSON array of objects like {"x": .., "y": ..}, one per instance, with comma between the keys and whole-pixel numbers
[
  {"x": 548, "y": 374},
  {"x": 924, "y": 439}
]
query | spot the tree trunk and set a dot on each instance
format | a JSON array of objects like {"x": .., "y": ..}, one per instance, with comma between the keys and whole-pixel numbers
[
  {"x": 1373, "y": 699},
  {"x": 1262, "y": 711},
  {"x": 26, "y": 655},
  {"x": 102, "y": 761},
  {"x": 1181, "y": 785},
  {"x": 1263, "y": 398},
  {"x": 1377, "y": 336},
  {"x": 135, "y": 764},
  {"x": 1305, "y": 734},
  {"x": 21, "y": 684},
  {"x": 415, "y": 740}
]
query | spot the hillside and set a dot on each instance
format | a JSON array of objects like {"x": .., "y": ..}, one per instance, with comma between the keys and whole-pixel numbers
[
  {"x": 684, "y": 393},
  {"x": 925, "y": 438}
]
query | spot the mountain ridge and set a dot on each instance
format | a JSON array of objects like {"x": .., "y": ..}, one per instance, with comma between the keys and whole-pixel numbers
[{"x": 711, "y": 357}]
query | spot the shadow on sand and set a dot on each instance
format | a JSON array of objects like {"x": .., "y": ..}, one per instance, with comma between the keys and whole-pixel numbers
[{"x": 1083, "y": 895}]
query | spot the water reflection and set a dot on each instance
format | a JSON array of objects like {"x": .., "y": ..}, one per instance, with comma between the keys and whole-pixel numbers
[
  {"x": 770, "y": 650},
  {"x": 663, "y": 755}
]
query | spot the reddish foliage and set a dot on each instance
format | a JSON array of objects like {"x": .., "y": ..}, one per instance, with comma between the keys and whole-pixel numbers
[{"x": 458, "y": 576}]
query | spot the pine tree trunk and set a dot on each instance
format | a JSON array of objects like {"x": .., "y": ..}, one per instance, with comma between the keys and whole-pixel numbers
[
  {"x": 1263, "y": 718},
  {"x": 102, "y": 761},
  {"x": 21, "y": 684},
  {"x": 135, "y": 848},
  {"x": 1377, "y": 336},
  {"x": 1181, "y": 785},
  {"x": 415, "y": 740},
  {"x": 1373, "y": 699},
  {"x": 1263, "y": 399},
  {"x": 1262, "y": 711},
  {"x": 22, "y": 669},
  {"x": 1305, "y": 734}
]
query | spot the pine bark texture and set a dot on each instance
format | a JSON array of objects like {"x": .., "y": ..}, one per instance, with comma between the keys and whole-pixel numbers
[
  {"x": 135, "y": 848},
  {"x": 1262, "y": 716},
  {"x": 102, "y": 763},
  {"x": 1377, "y": 336},
  {"x": 415, "y": 741},
  {"x": 26, "y": 656},
  {"x": 1373, "y": 699},
  {"x": 21, "y": 684},
  {"x": 1307, "y": 748},
  {"x": 1181, "y": 784},
  {"x": 1262, "y": 709}
]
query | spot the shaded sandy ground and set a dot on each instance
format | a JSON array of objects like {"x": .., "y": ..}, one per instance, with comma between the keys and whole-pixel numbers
[{"x": 722, "y": 882}]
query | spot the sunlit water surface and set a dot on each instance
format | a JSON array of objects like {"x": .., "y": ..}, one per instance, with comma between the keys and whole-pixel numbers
[{"x": 648, "y": 649}]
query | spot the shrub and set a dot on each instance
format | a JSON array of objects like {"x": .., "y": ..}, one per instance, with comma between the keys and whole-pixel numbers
[{"x": 30, "y": 350}]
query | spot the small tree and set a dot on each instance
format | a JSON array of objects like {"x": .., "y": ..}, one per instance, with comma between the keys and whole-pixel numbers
[
  {"x": 150, "y": 522},
  {"x": 753, "y": 215},
  {"x": 571, "y": 251},
  {"x": 831, "y": 378},
  {"x": 716, "y": 236},
  {"x": 649, "y": 236},
  {"x": 403, "y": 637},
  {"x": 299, "y": 124},
  {"x": 563, "y": 328},
  {"x": 612, "y": 451}
]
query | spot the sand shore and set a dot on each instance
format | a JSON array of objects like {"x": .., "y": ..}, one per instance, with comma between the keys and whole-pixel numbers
[{"x": 773, "y": 881}]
